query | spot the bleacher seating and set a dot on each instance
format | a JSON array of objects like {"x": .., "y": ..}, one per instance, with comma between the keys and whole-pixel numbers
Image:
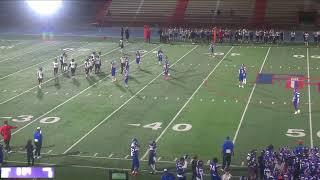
[
  {"x": 137, "y": 11},
  {"x": 131, "y": 12}
]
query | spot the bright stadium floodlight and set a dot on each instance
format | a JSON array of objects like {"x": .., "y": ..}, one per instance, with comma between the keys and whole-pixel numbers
[{"x": 45, "y": 7}]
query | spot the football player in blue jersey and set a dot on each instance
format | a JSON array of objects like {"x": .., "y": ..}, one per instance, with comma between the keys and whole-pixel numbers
[
  {"x": 126, "y": 77},
  {"x": 211, "y": 49},
  {"x": 160, "y": 56},
  {"x": 241, "y": 76},
  {"x": 245, "y": 74},
  {"x": 296, "y": 100},
  {"x": 152, "y": 156},
  {"x": 138, "y": 58},
  {"x": 113, "y": 71},
  {"x": 214, "y": 169},
  {"x": 134, "y": 152},
  {"x": 180, "y": 169},
  {"x": 200, "y": 170},
  {"x": 166, "y": 69},
  {"x": 126, "y": 63}
]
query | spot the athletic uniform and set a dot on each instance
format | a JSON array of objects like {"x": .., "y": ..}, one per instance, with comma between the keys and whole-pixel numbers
[
  {"x": 40, "y": 77},
  {"x": 152, "y": 156},
  {"x": 160, "y": 57},
  {"x": 138, "y": 58},
  {"x": 55, "y": 68},
  {"x": 126, "y": 77},
  {"x": 166, "y": 69},
  {"x": 122, "y": 64},
  {"x": 73, "y": 66},
  {"x": 241, "y": 76},
  {"x": 113, "y": 71},
  {"x": 134, "y": 152},
  {"x": 87, "y": 67},
  {"x": 211, "y": 48},
  {"x": 97, "y": 64},
  {"x": 295, "y": 101}
]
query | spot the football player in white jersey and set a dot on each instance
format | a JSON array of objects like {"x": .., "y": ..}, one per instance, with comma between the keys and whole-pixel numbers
[
  {"x": 40, "y": 76},
  {"x": 73, "y": 66},
  {"x": 87, "y": 67},
  {"x": 55, "y": 68},
  {"x": 97, "y": 63}
]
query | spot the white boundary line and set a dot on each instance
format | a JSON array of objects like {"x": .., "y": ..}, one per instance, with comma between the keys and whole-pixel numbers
[
  {"x": 110, "y": 158},
  {"x": 49, "y": 79},
  {"x": 189, "y": 99},
  {"x": 309, "y": 94},
  {"x": 249, "y": 99},
  {"x": 126, "y": 102},
  {"x": 61, "y": 104},
  {"x": 95, "y": 167},
  {"x": 8, "y": 75},
  {"x": 27, "y": 52}
]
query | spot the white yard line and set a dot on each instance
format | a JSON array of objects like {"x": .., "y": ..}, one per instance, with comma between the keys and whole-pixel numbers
[
  {"x": 246, "y": 107},
  {"x": 47, "y": 81},
  {"x": 37, "y": 64},
  {"x": 61, "y": 104},
  {"x": 126, "y": 102},
  {"x": 27, "y": 52},
  {"x": 189, "y": 99},
  {"x": 309, "y": 94}
]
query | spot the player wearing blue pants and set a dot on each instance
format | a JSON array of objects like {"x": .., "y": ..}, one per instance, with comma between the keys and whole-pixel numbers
[
  {"x": 134, "y": 148},
  {"x": 113, "y": 71},
  {"x": 296, "y": 100}
]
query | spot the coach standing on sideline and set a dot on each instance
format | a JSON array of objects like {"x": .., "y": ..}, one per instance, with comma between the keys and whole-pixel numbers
[
  {"x": 38, "y": 142},
  {"x": 227, "y": 152},
  {"x": 5, "y": 131}
]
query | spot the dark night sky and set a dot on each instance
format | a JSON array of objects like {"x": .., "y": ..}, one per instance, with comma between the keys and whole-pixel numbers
[{"x": 17, "y": 11}]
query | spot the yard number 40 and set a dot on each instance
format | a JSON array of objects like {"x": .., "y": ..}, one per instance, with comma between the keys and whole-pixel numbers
[{"x": 176, "y": 127}]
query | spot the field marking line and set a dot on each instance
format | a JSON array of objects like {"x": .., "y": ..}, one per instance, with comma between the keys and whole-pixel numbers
[
  {"x": 49, "y": 151},
  {"x": 61, "y": 104},
  {"x": 27, "y": 52},
  {"x": 8, "y": 75},
  {"x": 95, "y": 155},
  {"x": 126, "y": 102},
  {"x": 48, "y": 80},
  {"x": 126, "y": 158},
  {"x": 309, "y": 97},
  {"x": 97, "y": 167},
  {"x": 189, "y": 99},
  {"x": 249, "y": 99}
]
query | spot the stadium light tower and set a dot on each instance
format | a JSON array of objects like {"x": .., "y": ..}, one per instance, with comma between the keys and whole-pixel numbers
[{"x": 44, "y": 7}]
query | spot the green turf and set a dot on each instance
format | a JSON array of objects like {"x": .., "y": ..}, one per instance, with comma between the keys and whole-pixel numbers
[{"x": 92, "y": 131}]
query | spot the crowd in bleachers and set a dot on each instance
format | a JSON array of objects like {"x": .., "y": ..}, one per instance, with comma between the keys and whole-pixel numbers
[
  {"x": 240, "y": 35},
  {"x": 299, "y": 163}
]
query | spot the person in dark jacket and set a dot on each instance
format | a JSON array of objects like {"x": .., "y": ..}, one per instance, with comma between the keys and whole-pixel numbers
[
  {"x": 194, "y": 167},
  {"x": 1, "y": 155},
  {"x": 127, "y": 34},
  {"x": 167, "y": 175},
  {"x": 122, "y": 32},
  {"x": 30, "y": 149},
  {"x": 38, "y": 142}
]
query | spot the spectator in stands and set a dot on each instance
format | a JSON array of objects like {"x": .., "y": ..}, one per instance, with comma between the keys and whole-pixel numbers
[
  {"x": 167, "y": 175},
  {"x": 227, "y": 153},
  {"x": 127, "y": 34}
]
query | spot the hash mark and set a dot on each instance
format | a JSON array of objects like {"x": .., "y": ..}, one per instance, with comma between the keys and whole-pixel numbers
[
  {"x": 110, "y": 155},
  {"x": 49, "y": 151},
  {"x": 166, "y": 98},
  {"x": 159, "y": 158},
  {"x": 95, "y": 154},
  {"x": 155, "y": 97},
  {"x": 126, "y": 157}
]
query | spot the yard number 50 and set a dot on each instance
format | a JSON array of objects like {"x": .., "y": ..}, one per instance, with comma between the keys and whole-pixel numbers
[{"x": 298, "y": 133}]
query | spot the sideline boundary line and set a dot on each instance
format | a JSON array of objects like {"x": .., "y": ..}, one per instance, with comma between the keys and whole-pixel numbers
[
  {"x": 189, "y": 99},
  {"x": 61, "y": 104},
  {"x": 115, "y": 111},
  {"x": 249, "y": 99}
]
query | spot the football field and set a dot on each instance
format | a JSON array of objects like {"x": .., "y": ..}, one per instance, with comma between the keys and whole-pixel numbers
[{"x": 88, "y": 123}]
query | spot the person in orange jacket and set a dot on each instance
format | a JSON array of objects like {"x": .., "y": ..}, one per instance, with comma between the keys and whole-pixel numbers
[{"x": 5, "y": 131}]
